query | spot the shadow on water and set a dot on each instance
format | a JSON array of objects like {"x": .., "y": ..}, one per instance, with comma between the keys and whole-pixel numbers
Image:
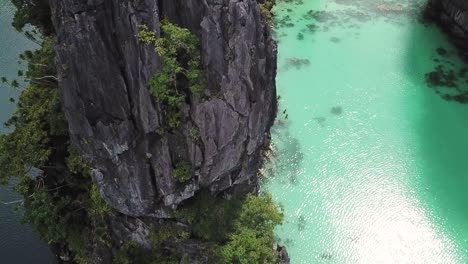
[
  {"x": 442, "y": 148},
  {"x": 287, "y": 156}
]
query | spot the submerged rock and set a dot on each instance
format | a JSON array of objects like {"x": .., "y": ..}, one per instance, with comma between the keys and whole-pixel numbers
[{"x": 337, "y": 110}]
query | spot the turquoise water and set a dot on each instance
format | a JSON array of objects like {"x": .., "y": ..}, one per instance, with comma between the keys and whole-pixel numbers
[
  {"x": 370, "y": 162},
  {"x": 18, "y": 244}
]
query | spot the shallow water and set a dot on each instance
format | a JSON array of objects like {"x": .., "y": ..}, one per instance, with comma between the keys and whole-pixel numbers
[
  {"x": 18, "y": 244},
  {"x": 370, "y": 159}
]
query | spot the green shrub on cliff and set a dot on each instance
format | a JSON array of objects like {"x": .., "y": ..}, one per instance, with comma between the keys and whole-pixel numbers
[
  {"x": 265, "y": 10},
  {"x": 35, "y": 12},
  {"x": 76, "y": 163},
  {"x": 247, "y": 247},
  {"x": 183, "y": 172},
  {"x": 179, "y": 50},
  {"x": 131, "y": 253},
  {"x": 180, "y": 53},
  {"x": 241, "y": 227},
  {"x": 165, "y": 232},
  {"x": 211, "y": 218},
  {"x": 98, "y": 206}
]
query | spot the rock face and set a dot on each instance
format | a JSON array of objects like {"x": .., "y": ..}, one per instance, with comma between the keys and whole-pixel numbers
[
  {"x": 452, "y": 15},
  {"x": 113, "y": 120}
]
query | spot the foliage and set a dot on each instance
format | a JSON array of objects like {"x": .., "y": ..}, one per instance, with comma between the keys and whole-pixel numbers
[
  {"x": 247, "y": 247},
  {"x": 194, "y": 134},
  {"x": 41, "y": 63},
  {"x": 47, "y": 216},
  {"x": 59, "y": 201},
  {"x": 98, "y": 206},
  {"x": 242, "y": 228},
  {"x": 34, "y": 12},
  {"x": 76, "y": 163},
  {"x": 167, "y": 231},
  {"x": 78, "y": 240},
  {"x": 174, "y": 119},
  {"x": 259, "y": 213},
  {"x": 24, "y": 185},
  {"x": 131, "y": 253},
  {"x": 183, "y": 172},
  {"x": 211, "y": 218},
  {"x": 64, "y": 207},
  {"x": 70, "y": 217},
  {"x": 37, "y": 119},
  {"x": 265, "y": 10},
  {"x": 252, "y": 241},
  {"x": 180, "y": 53}
]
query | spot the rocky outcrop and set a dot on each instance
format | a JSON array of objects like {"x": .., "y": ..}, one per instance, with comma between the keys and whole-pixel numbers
[
  {"x": 452, "y": 15},
  {"x": 283, "y": 256},
  {"x": 115, "y": 122}
]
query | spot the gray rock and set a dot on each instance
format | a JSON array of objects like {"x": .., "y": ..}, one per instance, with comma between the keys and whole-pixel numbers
[
  {"x": 283, "y": 256},
  {"x": 104, "y": 71},
  {"x": 126, "y": 229},
  {"x": 452, "y": 15}
]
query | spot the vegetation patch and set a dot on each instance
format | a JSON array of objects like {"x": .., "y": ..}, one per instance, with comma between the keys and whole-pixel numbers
[
  {"x": 98, "y": 206},
  {"x": 179, "y": 50},
  {"x": 36, "y": 121},
  {"x": 183, "y": 172},
  {"x": 211, "y": 218},
  {"x": 266, "y": 11},
  {"x": 252, "y": 238},
  {"x": 194, "y": 134},
  {"x": 242, "y": 228},
  {"x": 131, "y": 253}
]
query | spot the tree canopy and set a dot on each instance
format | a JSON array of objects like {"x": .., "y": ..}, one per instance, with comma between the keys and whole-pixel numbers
[{"x": 33, "y": 12}]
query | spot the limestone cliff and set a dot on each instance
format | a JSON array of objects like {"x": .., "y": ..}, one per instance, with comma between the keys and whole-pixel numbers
[
  {"x": 104, "y": 72},
  {"x": 452, "y": 15}
]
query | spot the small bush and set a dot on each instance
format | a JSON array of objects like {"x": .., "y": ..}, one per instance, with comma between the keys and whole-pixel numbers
[
  {"x": 265, "y": 10},
  {"x": 98, "y": 206},
  {"x": 252, "y": 240},
  {"x": 211, "y": 218},
  {"x": 183, "y": 172},
  {"x": 165, "y": 232},
  {"x": 76, "y": 163},
  {"x": 194, "y": 134}
]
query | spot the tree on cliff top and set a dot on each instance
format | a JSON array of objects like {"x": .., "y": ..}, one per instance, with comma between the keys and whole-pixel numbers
[{"x": 34, "y": 12}]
